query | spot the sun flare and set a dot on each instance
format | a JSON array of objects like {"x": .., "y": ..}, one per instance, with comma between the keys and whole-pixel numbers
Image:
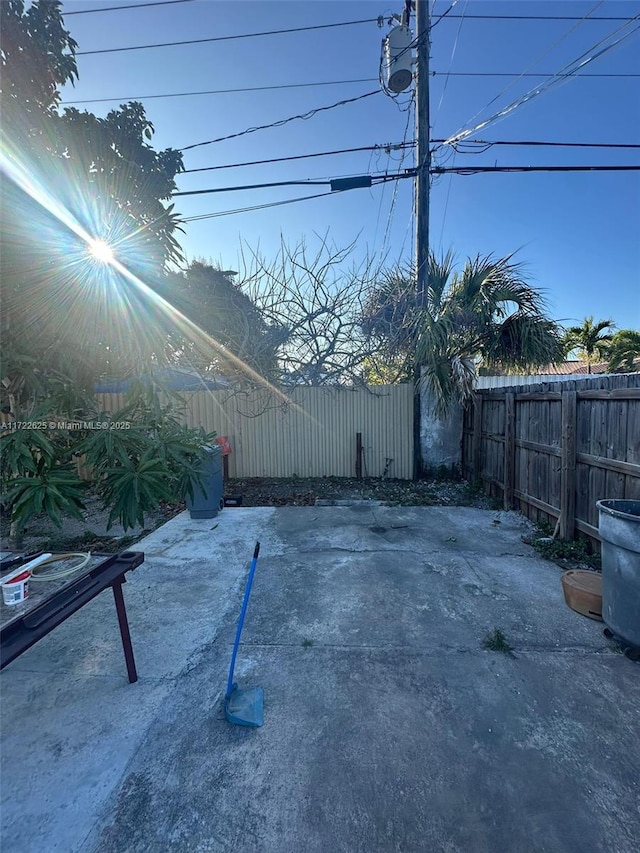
[{"x": 101, "y": 251}]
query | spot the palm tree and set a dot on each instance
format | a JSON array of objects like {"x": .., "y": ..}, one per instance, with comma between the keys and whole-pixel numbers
[
  {"x": 591, "y": 340},
  {"x": 623, "y": 351},
  {"x": 485, "y": 315}
]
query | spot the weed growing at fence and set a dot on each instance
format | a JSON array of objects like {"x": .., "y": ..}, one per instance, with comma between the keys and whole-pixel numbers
[{"x": 565, "y": 552}]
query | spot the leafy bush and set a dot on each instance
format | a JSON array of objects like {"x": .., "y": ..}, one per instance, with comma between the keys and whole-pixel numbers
[
  {"x": 141, "y": 457},
  {"x": 154, "y": 459},
  {"x": 36, "y": 479}
]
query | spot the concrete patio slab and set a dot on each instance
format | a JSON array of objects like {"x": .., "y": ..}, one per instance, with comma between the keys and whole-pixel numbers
[{"x": 388, "y": 727}]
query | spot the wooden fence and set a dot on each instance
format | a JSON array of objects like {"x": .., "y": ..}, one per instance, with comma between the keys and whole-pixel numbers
[
  {"x": 307, "y": 432},
  {"x": 553, "y": 451}
]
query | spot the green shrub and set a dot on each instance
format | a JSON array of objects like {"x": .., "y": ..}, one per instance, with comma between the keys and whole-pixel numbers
[{"x": 144, "y": 456}]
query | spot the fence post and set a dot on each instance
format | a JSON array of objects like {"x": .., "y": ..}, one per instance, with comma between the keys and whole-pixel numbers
[
  {"x": 509, "y": 448},
  {"x": 477, "y": 437},
  {"x": 568, "y": 471}
]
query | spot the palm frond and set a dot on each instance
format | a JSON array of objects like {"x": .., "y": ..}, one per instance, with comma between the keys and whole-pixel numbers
[{"x": 524, "y": 341}]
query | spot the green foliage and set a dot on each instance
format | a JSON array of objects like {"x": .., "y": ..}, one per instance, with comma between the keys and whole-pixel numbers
[
  {"x": 63, "y": 311},
  {"x": 21, "y": 451},
  {"x": 485, "y": 315},
  {"x": 38, "y": 55},
  {"x": 235, "y": 332},
  {"x": 37, "y": 475},
  {"x": 68, "y": 319},
  {"x": 154, "y": 460},
  {"x": 591, "y": 340},
  {"x": 125, "y": 180},
  {"x": 623, "y": 351},
  {"x": 565, "y": 552},
  {"x": 55, "y": 491},
  {"x": 135, "y": 469},
  {"x": 496, "y": 641}
]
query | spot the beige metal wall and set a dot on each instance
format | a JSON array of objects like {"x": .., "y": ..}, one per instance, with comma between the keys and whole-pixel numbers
[{"x": 311, "y": 433}]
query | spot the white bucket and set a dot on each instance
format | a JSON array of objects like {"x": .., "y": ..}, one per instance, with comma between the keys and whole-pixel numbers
[{"x": 16, "y": 590}]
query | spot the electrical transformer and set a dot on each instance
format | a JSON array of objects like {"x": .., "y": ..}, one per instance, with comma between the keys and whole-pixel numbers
[{"x": 397, "y": 59}]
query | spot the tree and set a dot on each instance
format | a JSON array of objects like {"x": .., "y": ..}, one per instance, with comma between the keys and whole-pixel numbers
[
  {"x": 591, "y": 340},
  {"x": 37, "y": 55},
  {"x": 623, "y": 351},
  {"x": 239, "y": 341},
  {"x": 312, "y": 306},
  {"x": 69, "y": 178},
  {"x": 485, "y": 315}
]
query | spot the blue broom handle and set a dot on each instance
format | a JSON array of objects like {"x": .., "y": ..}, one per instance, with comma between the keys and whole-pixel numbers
[{"x": 245, "y": 604}]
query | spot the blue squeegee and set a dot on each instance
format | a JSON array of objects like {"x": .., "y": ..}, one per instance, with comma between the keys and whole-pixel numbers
[{"x": 244, "y": 707}]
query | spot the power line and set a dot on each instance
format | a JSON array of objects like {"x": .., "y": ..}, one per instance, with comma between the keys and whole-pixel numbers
[
  {"x": 516, "y": 74},
  {"x": 489, "y": 143},
  {"x": 409, "y": 173},
  {"x": 475, "y": 17},
  {"x": 126, "y": 8},
  {"x": 394, "y": 196},
  {"x": 374, "y": 181},
  {"x": 223, "y": 91},
  {"x": 304, "y": 182},
  {"x": 537, "y": 60},
  {"x": 255, "y": 207},
  {"x": 387, "y": 148},
  {"x": 444, "y": 15},
  {"x": 461, "y": 170},
  {"x": 539, "y": 18},
  {"x": 446, "y": 74},
  {"x": 458, "y": 170},
  {"x": 453, "y": 53},
  {"x": 567, "y": 71},
  {"x": 224, "y": 38},
  {"x": 302, "y": 116}
]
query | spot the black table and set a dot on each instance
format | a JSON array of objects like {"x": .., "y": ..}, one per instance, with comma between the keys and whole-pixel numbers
[{"x": 50, "y": 603}]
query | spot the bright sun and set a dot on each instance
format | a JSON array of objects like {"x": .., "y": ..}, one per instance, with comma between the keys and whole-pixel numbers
[{"x": 101, "y": 251}]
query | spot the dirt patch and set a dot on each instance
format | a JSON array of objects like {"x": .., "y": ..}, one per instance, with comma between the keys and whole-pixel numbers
[
  {"x": 305, "y": 492},
  {"x": 92, "y": 533}
]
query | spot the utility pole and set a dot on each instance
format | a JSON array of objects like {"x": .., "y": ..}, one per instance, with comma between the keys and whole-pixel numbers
[
  {"x": 395, "y": 49},
  {"x": 422, "y": 149},
  {"x": 422, "y": 209}
]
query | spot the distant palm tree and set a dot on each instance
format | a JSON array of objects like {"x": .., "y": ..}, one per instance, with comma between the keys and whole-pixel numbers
[
  {"x": 485, "y": 315},
  {"x": 591, "y": 340},
  {"x": 623, "y": 350}
]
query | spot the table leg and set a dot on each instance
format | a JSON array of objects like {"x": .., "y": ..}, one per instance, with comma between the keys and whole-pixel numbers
[{"x": 124, "y": 631}]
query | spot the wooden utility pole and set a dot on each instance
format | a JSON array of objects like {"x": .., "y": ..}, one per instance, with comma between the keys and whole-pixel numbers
[
  {"x": 422, "y": 207},
  {"x": 422, "y": 149}
]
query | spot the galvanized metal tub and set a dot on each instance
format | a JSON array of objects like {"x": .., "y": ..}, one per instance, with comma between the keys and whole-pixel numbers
[{"x": 619, "y": 526}]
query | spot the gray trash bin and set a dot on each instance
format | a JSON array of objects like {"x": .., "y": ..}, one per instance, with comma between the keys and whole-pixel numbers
[
  {"x": 619, "y": 527},
  {"x": 209, "y": 504}
]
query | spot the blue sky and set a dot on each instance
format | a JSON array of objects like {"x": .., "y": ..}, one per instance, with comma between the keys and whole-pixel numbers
[{"x": 577, "y": 233}]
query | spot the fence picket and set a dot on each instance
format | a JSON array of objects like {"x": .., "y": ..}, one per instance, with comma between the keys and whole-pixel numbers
[{"x": 560, "y": 451}]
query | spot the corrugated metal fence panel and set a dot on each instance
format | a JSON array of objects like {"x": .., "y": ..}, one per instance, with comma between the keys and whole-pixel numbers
[
  {"x": 110, "y": 402},
  {"x": 310, "y": 432},
  {"x": 485, "y": 382}
]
